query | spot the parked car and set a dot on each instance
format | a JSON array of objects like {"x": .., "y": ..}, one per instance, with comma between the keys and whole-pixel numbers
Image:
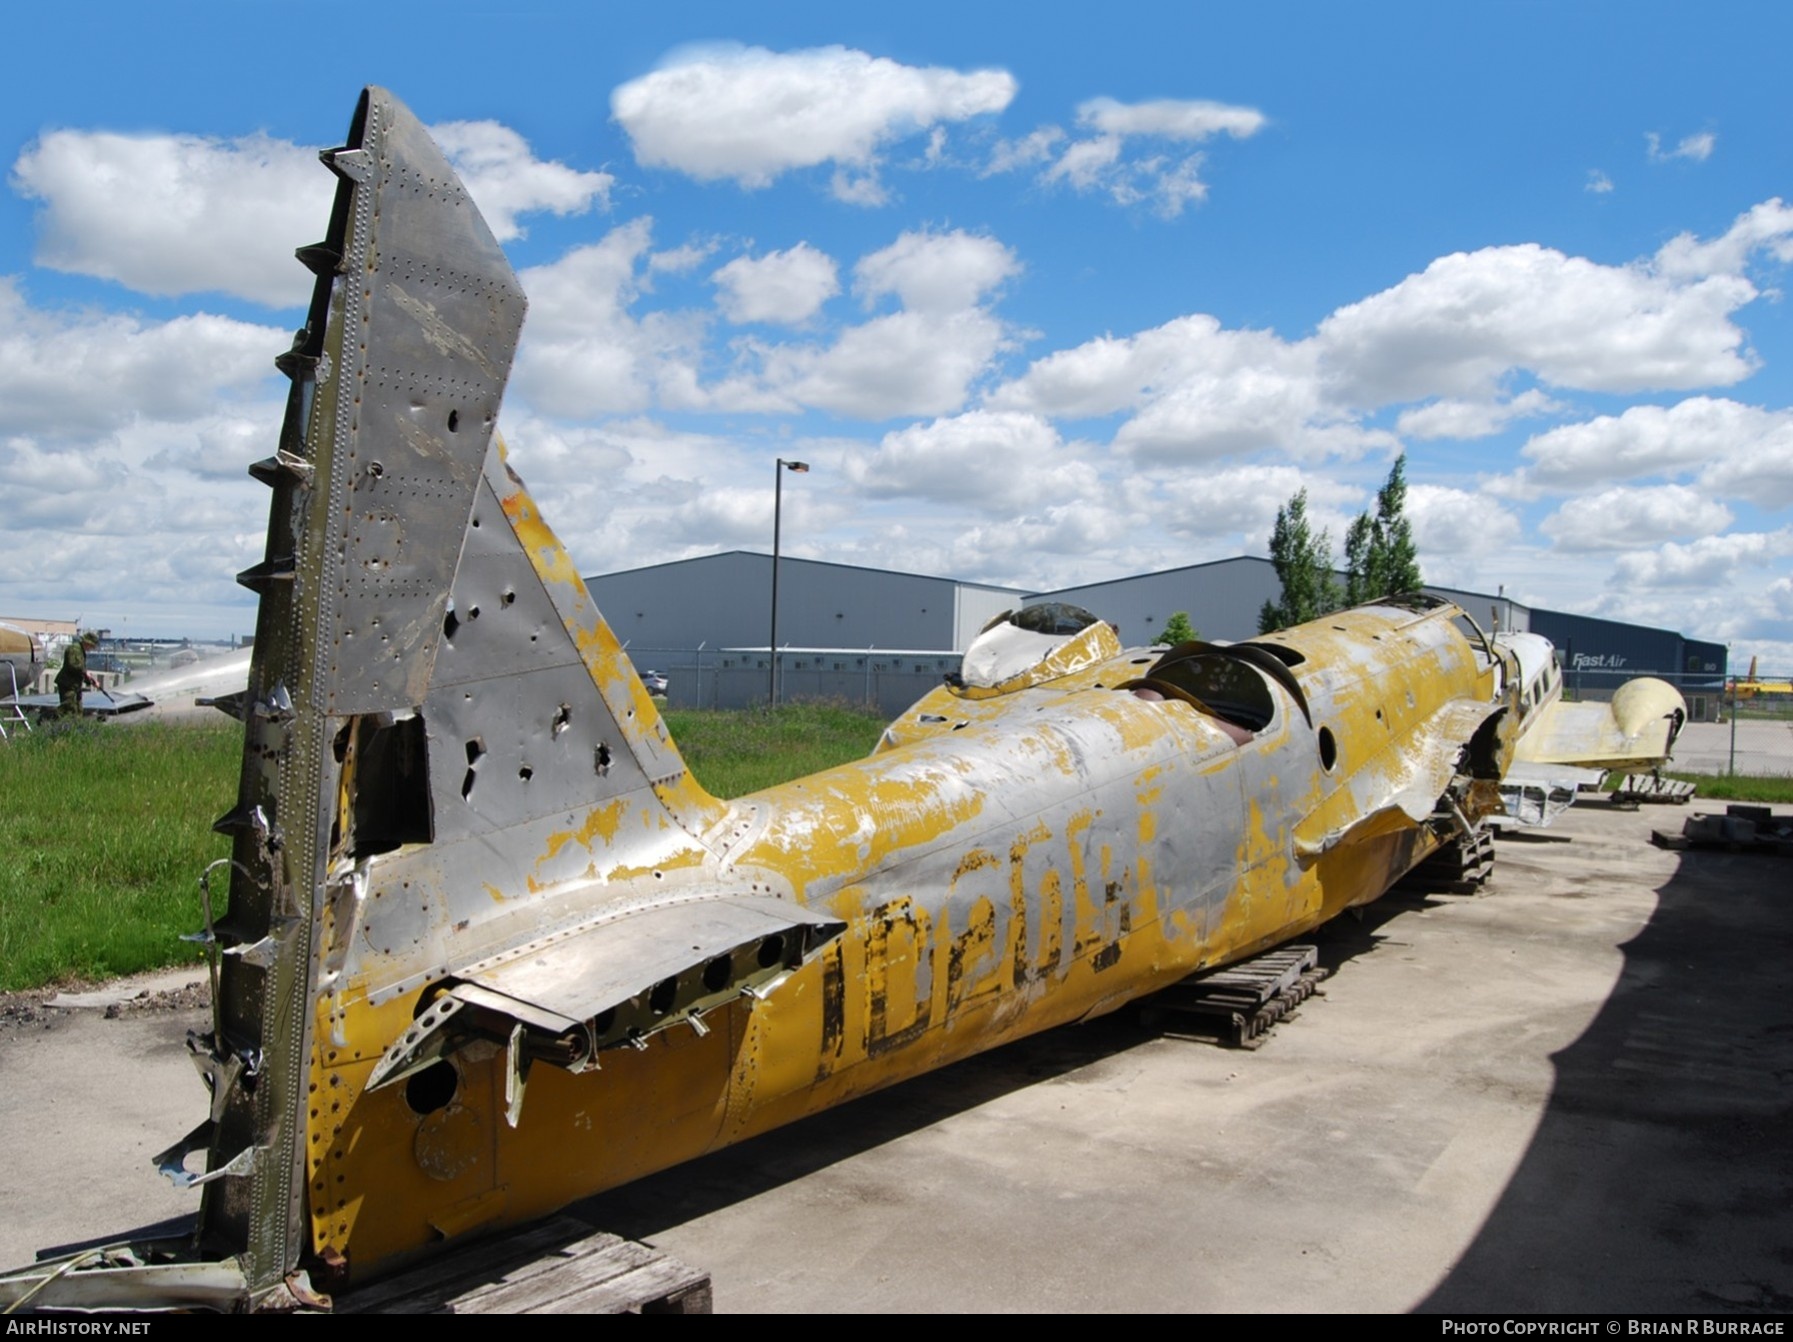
[{"x": 655, "y": 682}]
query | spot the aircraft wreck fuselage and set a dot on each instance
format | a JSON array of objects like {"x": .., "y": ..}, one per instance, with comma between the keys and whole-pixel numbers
[
  {"x": 489, "y": 947},
  {"x": 1041, "y": 856}
]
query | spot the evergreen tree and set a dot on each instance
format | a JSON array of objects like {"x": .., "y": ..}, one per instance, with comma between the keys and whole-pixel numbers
[
  {"x": 1177, "y": 629},
  {"x": 1303, "y": 563},
  {"x": 1359, "y": 544},
  {"x": 1380, "y": 558},
  {"x": 1393, "y": 559}
]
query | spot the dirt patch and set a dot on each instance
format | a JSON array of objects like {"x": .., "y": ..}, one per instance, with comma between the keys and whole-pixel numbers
[{"x": 32, "y": 1010}]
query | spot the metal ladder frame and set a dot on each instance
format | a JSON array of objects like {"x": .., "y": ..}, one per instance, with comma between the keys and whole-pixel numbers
[{"x": 10, "y": 710}]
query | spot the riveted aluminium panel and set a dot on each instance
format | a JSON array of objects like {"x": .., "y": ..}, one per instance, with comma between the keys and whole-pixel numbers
[{"x": 429, "y": 292}]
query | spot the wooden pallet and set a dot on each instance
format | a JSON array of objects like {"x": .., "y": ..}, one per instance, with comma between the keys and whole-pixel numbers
[
  {"x": 1648, "y": 787},
  {"x": 1238, "y": 1005},
  {"x": 558, "y": 1266}
]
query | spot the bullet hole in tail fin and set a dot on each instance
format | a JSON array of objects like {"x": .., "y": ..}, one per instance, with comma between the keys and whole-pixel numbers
[
  {"x": 603, "y": 760},
  {"x": 563, "y": 717},
  {"x": 475, "y": 749},
  {"x": 392, "y": 804}
]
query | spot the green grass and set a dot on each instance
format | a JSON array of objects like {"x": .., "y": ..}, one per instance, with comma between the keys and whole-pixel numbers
[
  {"x": 1765, "y": 789},
  {"x": 737, "y": 752},
  {"x": 103, "y": 834},
  {"x": 105, "y": 829}
]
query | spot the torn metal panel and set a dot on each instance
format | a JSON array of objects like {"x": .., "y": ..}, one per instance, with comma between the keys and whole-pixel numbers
[
  {"x": 623, "y": 979},
  {"x": 160, "y": 1277},
  {"x": 1536, "y": 794}
]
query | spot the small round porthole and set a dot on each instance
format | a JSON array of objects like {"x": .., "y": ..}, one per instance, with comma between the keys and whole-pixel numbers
[{"x": 1329, "y": 749}]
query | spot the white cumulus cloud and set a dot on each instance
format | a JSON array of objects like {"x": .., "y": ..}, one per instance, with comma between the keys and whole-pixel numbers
[
  {"x": 1764, "y": 227},
  {"x": 989, "y": 460},
  {"x": 1464, "y": 420},
  {"x": 584, "y": 351},
  {"x": 747, "y": 114},
  {"x": 176, "y": 214},
  {"x": 1736, "y": 449},
  {"x": 785, "y": 287},
  {"x": 906, "y": 363},
  {"x": 1455, "y": 522},
  {"x": 64, "y": 376},
  {"x": 1626, "y": 518},
  {"x": 1456, "y": 328},
  {"x": 505, "y": 179},
  {"x": 936, "y": 272},
  {"x": 1704, "y": 562},
  {"x": 179, "y": 214},
  {"x": 1239, "y": 502}
]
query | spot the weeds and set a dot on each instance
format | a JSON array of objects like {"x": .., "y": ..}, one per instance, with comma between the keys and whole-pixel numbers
[
  {"x": 103, "y": 834},
  {"x": 737, "y": 752},
  {"x": 1765, "y": 789}
]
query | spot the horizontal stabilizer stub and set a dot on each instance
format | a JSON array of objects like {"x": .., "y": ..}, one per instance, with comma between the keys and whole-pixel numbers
[{"x": 617, "y": 981}]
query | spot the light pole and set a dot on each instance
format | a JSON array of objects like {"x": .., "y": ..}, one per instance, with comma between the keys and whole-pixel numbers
[{"x": 801, "y": 467}]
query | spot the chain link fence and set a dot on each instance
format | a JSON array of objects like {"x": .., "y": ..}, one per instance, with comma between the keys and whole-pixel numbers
[{"x": 1733, "y": 727}]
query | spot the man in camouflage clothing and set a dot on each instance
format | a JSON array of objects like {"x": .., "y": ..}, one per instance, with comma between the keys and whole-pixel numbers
[{"x": 73, "y": 676}]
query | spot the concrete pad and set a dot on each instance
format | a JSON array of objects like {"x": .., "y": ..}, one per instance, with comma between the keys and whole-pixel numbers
[
  {"x": 85, "y": 1102},
  {"x": 1572, "y": 1092},
  {"x": 1761, "y": 747}
]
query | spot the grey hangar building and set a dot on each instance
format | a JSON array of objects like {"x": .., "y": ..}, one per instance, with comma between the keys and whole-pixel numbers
[{"x": 883, "y": 638}]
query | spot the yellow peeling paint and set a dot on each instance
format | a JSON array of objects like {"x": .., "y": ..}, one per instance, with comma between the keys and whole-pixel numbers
[
  {"x": 601, "y": 822},
  {"x": 680, "y": 860},
  {"x": 975, "y": 860}
]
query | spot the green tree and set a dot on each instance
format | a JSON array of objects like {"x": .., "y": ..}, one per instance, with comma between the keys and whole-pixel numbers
[
  {"x": 1394, "y": 560},
  {"x": 1359, "y": 541},
  {"x": 1177, "y": 629},
  {"x": 1380, "y": 557},
  {"x": 1303, "y": 563}
]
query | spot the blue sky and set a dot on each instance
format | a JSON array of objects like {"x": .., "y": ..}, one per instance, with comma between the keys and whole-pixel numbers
[{"x": 1045, "y": 295}]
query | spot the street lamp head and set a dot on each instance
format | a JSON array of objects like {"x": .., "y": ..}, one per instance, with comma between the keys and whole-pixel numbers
[{"x": 801, "y": 467}]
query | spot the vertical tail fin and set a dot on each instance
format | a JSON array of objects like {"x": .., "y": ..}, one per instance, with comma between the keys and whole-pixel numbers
[{"x": 429, "y": 675}]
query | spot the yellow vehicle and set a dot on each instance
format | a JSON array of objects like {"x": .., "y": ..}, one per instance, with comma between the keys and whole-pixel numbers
[
  {"x": 490, "y": 948},
  {"x": 1750, "y": 686}
]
